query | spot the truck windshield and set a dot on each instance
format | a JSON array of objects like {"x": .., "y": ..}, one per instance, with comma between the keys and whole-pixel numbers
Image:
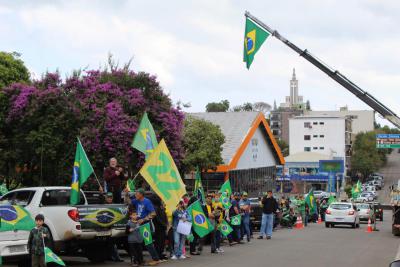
[
  {"x": 58, "y": 197},
  {"x": 21, "y": 197}
]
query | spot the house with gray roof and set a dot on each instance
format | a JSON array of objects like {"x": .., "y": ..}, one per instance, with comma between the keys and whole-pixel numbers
[{"x": 250, "y": 152}]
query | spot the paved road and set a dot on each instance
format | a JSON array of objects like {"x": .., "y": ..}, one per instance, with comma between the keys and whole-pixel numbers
[
  {"x": 391, "y": 173},
  {"x": 312, "y": 246}
]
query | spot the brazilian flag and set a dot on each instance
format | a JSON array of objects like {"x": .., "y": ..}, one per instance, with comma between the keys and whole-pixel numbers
[
  {"x": 15, "y": 218},
  {"x": 130, "y": 185},
  {"x": 198, "y": 188},
  {"x": 310, "y": 200},
  {"x": 146, "y": 233},
  {"x": 145, "y": 138},
  {"x": 3, "y": 190},
  {"x": 50, "y": 256},
  {"x": 226, "y": 188},
  {"x": 190, "y": 237},
  {"x": 201, "y": 225},
  {"x": 254, "y": 37},
  {"x": 236, "y": 220},
  {"x": 81, "y": 172},
  {"x": 225, "y": 228},
  {"x": 226, "y": 201}
]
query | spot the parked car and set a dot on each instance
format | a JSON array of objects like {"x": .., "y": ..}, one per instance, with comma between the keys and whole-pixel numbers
[
  {"x": 364, "y": 197},
  {"x": 320, "y": 194},
  {"x": 377, "y": 184},
  {"x": 365, "y": 212},
  {"x": 342, "y": 213},
  {"x": 73, "y": 229}
]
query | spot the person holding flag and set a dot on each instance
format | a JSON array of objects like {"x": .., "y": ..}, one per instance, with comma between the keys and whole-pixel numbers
[
  {"x": 179, "y": 215},
  {"x": 114, "y": 177},
  {"x": 234, "y": 210},
  {"x": 135, "y": 239},
  {"x": 269, "y": 206},
  {"x": 38, "y": 237}
]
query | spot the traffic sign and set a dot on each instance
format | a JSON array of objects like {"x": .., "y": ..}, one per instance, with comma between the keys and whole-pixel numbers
[{"x": 388, "y": 140}]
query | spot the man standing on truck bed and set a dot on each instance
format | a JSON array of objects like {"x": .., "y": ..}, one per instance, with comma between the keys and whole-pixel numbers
[{"x": 114, "y": 177}]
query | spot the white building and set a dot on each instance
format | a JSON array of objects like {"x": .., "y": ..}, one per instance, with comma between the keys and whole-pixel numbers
[
  {"x": 328, "y": 135},
  {"x": 362, "y": 120},
  {"x": 294, "y": 100}
]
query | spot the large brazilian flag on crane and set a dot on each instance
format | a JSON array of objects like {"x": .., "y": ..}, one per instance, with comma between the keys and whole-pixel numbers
[
  {"x": 82, "y": 170},
  {"x": 161, "y": 174},
  {"x": 254, "y": 37}
]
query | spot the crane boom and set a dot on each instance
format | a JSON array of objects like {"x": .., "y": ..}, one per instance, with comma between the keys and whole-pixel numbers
[{"x": 334, "y": 74}]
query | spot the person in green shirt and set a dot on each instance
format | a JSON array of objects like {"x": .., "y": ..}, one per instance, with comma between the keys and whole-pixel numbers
[{"x": 301, "y": 207}]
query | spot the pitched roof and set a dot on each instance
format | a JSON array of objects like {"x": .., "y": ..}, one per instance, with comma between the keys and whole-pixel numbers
[{"x": 238, "y": 128}]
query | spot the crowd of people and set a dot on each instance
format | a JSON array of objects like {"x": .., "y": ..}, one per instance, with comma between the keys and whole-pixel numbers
[{"x": 169, "y": 243}]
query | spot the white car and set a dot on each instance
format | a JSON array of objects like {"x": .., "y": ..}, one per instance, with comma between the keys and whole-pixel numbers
[
  {"x": 320, "y": 194},
  {"x": 342, "y": 213},
  {"x": 365, "y": 197}
]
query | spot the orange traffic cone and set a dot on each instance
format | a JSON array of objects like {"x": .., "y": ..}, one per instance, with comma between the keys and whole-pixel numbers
[
  {"x": 319, "y": 219},
  {"x": 299, "y": 223},
  {"x": 369, "y": 228}
]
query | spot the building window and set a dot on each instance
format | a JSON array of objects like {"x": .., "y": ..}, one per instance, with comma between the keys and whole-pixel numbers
[
  {"x": 321, "y": 123},
  {"x": 321, "y": 136},
  {"x": 321, "y": 148},
  {"x": 315, "y": 135},
  {"x": 315, "y": 123},
  {"x": 307, "y": 125},
  {"x": 307, "y": 149},
  {"x": 315, "y": 148},
  {"x": 307, "y": 137}
]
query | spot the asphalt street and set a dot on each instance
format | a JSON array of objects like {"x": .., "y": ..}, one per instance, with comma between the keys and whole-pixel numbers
[
  {"x": 391, "y": 173},
  {"x": 312, "y": 246}
]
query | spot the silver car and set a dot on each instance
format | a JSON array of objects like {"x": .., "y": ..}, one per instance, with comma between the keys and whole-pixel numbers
[{"x": 365, "y": 212}]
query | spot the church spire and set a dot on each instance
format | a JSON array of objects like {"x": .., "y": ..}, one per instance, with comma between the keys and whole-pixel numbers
[{"x": 294, "y": 74}]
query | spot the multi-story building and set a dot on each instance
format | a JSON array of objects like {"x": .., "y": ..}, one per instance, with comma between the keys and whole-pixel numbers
[
  {"x": 361, "y": 120},
  {"x": 328, "y": 135},
  {"x": 294, "y": 106}
]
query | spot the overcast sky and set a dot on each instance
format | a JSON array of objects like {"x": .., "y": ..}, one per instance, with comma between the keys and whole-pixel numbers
[{"x": 195, "y": 47}]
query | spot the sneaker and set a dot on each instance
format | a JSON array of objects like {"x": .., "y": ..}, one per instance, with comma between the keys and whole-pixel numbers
[
  {"x": 260, "y": 237},
  {"x": 268, "y": 237},
  {"x": 182, "y": 257},
  {"x": 174, "y": 258},
  {"x": 221, "y": 250}
]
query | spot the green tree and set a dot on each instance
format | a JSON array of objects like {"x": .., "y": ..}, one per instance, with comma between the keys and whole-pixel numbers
[
  {"x": 284, "y": 147},
  {"x": 202, "y": 142},
  {"x": 222, "y": 106},
  {"x": 12, "y": 69},
  {"x": 366, "y": 157}
]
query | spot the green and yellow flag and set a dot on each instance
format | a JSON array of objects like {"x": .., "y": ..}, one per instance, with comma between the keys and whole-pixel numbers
[
  {"x": 226, "y": 188},
  {"x": 130, "y": 185},
  {"x": 146, "y": 233},
  {"x": 356, "y": 190},
  {"x": 50, "y": 256},
  {"x": 145, "y": 138},
  {"x": 310, "y": 200},
  {"x": 15, "y": 218},
  {"x": 190, "y": 237},
  {"x": 198, "y": 188},
  {"x": 331, "y": 199},
  {"x": 82, "y": 170},
  {"x": 254, "y": 37},
  {"x": 226, "y": 201},
  {"x": 236, "y": 220},
  {"x": 225, "y": 228},
  {"x": 161, "y": 174},
  {"x": 3, "y": 190},
  {"x": 201, "y": 225}
]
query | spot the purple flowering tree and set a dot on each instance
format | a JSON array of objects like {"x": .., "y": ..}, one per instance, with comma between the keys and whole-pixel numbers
[{"x": 103, "y": 108}]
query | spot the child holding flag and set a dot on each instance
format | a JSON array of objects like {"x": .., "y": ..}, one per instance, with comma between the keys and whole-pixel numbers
[
  {"x": 135, "y": 239},
  {"x": 36, "y": 240}
]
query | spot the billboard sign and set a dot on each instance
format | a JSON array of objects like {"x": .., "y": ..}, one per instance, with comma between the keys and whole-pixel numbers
[{"x": 388, "y": 141}]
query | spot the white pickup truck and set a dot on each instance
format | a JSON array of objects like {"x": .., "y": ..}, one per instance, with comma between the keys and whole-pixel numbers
[{"x": 83, "y": 229}]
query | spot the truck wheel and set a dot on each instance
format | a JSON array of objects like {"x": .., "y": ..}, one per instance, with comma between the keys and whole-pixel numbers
[
  {"x": 97, "y": 253},
  {"x": 327, "y": 225}
]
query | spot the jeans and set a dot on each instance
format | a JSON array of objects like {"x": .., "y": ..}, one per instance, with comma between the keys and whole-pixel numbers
[
  {"x": 179, "y": 242},
  {"x": 217, "y": 239},
  {"x": 153, "y": 253},
  {"x": 235, "y": 234},
  {"x": 246, "y": 225},
  {"x": 136, "y": 253},
  {"x": 267, "y": 222}
]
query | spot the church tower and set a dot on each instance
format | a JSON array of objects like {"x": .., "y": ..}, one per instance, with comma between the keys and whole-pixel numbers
[{"x": 294, "y": 90}]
